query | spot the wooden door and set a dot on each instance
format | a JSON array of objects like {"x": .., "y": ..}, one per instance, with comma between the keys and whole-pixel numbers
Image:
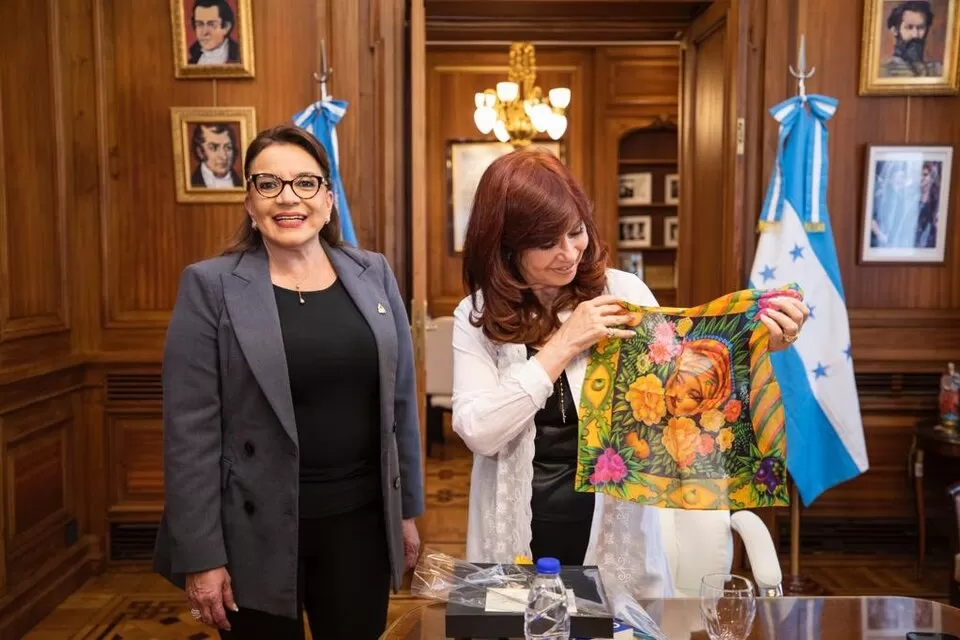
[
  {"x": 418, "y": 202},
  {"x": 710, "y": 252}
]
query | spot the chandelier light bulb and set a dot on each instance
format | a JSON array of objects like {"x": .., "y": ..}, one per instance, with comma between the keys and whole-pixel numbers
[
  {"x": 484, "y": 117},
  {"x": 500, "y": 130},
  {"x": 508, "y": 91},
  {"x": 540, "y": 117},
  {"x": 478, "y": 99},
  {"x": 557, "y": 126},
  {"x": 560, "y": 97}
]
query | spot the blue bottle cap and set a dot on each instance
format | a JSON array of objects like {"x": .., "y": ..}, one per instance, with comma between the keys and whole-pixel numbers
[{"x": 549, "y": 566}]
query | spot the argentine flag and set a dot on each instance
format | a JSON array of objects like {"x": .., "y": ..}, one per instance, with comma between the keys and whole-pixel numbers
[
  {"x": 321, "y": 119},
  {"x": 825, "y": 444}
]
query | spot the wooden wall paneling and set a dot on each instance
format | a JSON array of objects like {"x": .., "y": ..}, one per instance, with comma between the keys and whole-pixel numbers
[
  {"x": 147, "y": 236},
  {"x": 34, "y": 178},
  {"x": 634, "y": 87},
  {"x": 453, "y": 77},
  {"x": 712, "y": 166},
  {"x": 46, "y": 552}
]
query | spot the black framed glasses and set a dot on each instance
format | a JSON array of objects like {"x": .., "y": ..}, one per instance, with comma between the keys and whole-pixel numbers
[{"x": 304, "y": 186}]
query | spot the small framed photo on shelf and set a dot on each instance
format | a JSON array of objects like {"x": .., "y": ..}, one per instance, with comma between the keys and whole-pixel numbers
[
  {"x": 635, "y": 232},
  {"x": 632, "y": 262},
  {"x": 670, "y": 229},
  {"x": 636, "y": 189},
  {"x": 671, "y": 189},
  {"x": 907, "y": 204}
]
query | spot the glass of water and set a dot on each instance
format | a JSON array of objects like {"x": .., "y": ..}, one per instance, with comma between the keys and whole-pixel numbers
[{"x": 728, "y": 606}]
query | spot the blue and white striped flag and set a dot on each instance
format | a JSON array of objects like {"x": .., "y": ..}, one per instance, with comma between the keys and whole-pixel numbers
[
  {"x": 321, "y": 119},
  {"x": 825, "y": 443}
]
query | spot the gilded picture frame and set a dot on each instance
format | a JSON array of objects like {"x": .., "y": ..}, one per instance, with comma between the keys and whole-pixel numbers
[
  {"x": 910, "y": 47},
  {"x": 208, "y": 148},
  {"x": 212, "y": 39}
]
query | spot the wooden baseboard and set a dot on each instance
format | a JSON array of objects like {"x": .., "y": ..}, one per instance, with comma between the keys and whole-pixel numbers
[{"x": 33, "y": 599}]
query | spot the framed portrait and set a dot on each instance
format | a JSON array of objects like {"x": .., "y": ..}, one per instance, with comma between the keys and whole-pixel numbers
[
  {"x": 208, "y": 148},
  {"x": 670, "y": 229},
  {"x": 906, "y": 204},
  {"x": 671, "y": 189},
  {"x": 635, "y": 232},
  {"x": 212, "y": 38},
  {"x": 635, "y": 189},
  {"x": 910, "y": 47},
  {"x": 466, "y": 162}
]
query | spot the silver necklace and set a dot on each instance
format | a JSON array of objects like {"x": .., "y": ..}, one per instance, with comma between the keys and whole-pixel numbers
[{"x": 563, "y": 410}]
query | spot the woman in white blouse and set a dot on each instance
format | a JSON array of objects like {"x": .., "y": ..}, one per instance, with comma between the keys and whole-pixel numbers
[{"x": 541, "y": 296}]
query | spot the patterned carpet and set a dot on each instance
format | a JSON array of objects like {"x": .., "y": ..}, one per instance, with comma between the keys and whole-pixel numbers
[{"x": 147, "y": 616}]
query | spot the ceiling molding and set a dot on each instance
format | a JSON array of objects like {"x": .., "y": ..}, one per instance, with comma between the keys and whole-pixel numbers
[{"x": 552, "y": 28}]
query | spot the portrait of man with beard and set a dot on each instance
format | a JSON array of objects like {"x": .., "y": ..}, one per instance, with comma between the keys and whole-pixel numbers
[{"x": 910, "y": 23}]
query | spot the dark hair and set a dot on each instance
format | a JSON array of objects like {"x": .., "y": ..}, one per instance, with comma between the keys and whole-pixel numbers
[
  {"x": 247, "y": 237},
  {"x": 916, "y": 6},
  {"x": 525, "y": 199},
  {"x": 196, "y": 140},
  {"x": 226, "y": 13}
]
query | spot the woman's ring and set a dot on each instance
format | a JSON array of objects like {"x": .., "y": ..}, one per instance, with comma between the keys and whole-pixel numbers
[
  {"x": 609, "y": 332},
  {"x": 195, "y": 613},
  {"x": 790, "y": 339}
]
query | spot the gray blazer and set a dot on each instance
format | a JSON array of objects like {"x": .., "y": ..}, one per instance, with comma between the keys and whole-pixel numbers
[{"x": 231, "y": 458}]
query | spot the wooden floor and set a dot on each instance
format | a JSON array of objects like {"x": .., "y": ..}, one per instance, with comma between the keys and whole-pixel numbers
[{"x": 130, "y": 603}]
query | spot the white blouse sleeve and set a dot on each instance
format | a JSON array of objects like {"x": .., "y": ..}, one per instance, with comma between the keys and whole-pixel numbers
[{"x": 490, "y": 407}]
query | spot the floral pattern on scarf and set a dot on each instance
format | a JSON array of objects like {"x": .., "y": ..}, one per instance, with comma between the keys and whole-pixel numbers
[{"x": 688, "y": 414}]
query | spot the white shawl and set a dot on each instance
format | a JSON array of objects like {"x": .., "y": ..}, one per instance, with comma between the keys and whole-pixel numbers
[{"x": 496, "y": 393}]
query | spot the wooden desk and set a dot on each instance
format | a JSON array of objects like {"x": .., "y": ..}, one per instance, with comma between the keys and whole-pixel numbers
[
  {"x": 929, "y": 440},
  {"x": 777, "y": 619}
]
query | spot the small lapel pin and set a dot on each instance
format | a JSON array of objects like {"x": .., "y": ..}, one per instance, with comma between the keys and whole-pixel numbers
[{"x": 380, "y": 308}]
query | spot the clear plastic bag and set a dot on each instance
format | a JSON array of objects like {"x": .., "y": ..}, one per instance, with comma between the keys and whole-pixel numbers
[{"x": 439, "y": 576}]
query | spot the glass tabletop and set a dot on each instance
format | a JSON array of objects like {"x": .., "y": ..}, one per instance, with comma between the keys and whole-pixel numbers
[{"x": 826, "y": 618}]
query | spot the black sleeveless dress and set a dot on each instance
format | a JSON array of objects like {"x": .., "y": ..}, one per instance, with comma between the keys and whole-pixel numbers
[{"x": 561, "y": 516}]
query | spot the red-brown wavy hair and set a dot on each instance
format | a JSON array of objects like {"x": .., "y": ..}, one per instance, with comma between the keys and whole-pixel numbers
[{"x": 525, "y": 199}]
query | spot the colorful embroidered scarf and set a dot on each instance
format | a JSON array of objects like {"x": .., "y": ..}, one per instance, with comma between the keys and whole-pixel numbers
[{"x": 688, "y": 414}]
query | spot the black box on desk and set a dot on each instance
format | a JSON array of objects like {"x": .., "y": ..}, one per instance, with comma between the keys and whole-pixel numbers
[{"x": 472, "y": 622}]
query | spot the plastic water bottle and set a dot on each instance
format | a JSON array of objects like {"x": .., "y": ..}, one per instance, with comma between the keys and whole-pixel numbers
[{"x": 546, "y": 616}]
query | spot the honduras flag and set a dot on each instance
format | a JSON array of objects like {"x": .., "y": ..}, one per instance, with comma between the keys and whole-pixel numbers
[
  {"x": 321, "y": 119},
  {"x": 825, "y": 444}
]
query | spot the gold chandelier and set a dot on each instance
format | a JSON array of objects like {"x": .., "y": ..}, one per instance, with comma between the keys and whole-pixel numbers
[{"x": 517, "y": 111}]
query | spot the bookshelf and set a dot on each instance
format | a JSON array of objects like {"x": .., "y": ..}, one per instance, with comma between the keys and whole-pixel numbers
[{"x": 647, "y": 202}]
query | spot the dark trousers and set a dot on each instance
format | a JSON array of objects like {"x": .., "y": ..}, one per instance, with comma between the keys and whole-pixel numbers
[{"x": 343, "y": 579}]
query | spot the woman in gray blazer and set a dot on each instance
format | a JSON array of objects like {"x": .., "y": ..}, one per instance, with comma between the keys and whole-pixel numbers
[{"x": 291, "y": 438}]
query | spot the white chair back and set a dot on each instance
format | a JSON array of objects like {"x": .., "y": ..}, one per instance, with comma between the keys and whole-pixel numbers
[
  {"x": 701, "y": 542},
  {"x": 697, "y": 543},
  {"x": 439, "y": 356}
]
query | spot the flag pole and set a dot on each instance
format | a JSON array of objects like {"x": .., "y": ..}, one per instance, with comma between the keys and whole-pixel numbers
[{"x": 797, "y": 584}]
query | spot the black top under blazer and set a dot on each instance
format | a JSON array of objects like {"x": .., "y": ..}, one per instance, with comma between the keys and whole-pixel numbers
[{"x": 231, "y": 457}]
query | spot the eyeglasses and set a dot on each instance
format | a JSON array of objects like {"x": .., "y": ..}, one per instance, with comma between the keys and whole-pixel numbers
[{"x": 304, "y": 186}]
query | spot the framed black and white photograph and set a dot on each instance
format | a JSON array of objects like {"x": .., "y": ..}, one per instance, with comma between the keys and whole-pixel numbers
[
  {"x": 907, "y": 203},
  {"x": 632, "y": 262},
  {"x": 635, "y": 232},
  {"x": 635, "y": 189},
  {"x": 670, "y": 231},
  {"x": 671, "y": 189}
]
